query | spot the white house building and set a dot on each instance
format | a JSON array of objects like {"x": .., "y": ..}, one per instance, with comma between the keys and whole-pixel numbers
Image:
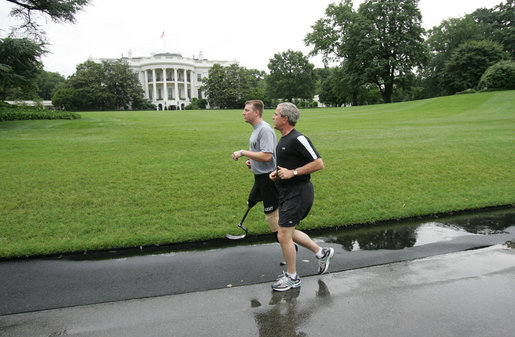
[{"x": 169, "y": 80}]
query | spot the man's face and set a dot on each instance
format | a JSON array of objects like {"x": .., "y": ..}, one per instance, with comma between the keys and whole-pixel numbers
[
  {"x": 249, "y": 114},
  {"x": 279, "y": 121}
]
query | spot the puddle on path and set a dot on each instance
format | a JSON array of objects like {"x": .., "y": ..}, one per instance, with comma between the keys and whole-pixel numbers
[
  {"x": 411, "y": 234},
  {"x": 386, "y": 236}
]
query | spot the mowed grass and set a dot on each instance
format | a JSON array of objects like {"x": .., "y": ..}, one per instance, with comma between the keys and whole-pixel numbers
[{"x": 122, "y": 179}]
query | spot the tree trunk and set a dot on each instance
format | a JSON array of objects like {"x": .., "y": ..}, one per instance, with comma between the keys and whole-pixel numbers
[
  {"x": 355, "y": 97},
  {"x": 387, "y": 93}
]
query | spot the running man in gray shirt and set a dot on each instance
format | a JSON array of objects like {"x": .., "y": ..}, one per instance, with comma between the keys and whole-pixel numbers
[{"x": 261, "y": 160}]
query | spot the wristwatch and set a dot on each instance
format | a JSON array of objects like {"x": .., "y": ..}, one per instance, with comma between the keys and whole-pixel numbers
[
  {"x": 295, "y": 172},
  {"x": 241, "y": 152}
]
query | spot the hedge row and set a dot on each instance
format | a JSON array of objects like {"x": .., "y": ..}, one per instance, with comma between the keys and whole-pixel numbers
[{"x": 10, "y": 112}]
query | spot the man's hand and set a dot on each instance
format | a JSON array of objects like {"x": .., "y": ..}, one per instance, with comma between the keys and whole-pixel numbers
[
  {"x": 284, "y": 173},
  {"x": 273, "y": 175},
  {"x": 237, "y": 154}
]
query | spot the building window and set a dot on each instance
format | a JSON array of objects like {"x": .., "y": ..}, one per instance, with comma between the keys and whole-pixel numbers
[{"x": 199, "y": 77}]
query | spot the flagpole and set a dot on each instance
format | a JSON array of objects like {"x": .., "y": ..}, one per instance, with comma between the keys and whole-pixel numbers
[{"x": 164, "y": 41}]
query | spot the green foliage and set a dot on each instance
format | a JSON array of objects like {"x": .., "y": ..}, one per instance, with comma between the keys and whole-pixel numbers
[
  {"x": 382, "y": 40},
  {"x": 408, "y": 88},
  {"x": 291, "y": 76},
  {"x": 123, "y": 83},
  {"x": 498, "y": 24},
  {"x": 399, "y": 44},
  {"x": 468, "y": 62},
  {"x": 197, "y": 104},
  {"x": 335, "y": 89},
  {"x": 337, "y": 38},
  {"x": 119, "y": 179},
  {"x": 47, "y": 83},
  {"x": 109, "y": 85},
  {"x": 57, "y": 10},
  {"x": 19, "y": 66},
  {"x": 10, "y": 112},
  {"x": 230, "y": 87},
  {"x": 442, "y": 41},
  {"x": 499, "y": 76}
]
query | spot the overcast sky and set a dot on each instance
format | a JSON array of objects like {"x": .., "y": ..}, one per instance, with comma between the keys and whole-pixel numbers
[{"x": 249, "y": 32}]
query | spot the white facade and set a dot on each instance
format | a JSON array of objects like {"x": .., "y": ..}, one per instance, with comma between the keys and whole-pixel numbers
[
  {"x": 43, "y": 104},
  {"x": 171, "y": 81}
]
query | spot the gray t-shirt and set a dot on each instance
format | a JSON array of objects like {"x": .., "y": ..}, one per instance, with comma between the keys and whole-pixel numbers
[{"x": 263, "y": 139}]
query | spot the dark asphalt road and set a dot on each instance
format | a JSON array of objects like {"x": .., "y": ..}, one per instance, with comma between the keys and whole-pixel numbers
[{"x": 47, "y": 283}]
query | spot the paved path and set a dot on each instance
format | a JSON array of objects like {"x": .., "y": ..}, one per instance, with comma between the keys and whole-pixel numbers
[
  {"x": 467, "y": 294},
  {"x": 40, "y": 284}
]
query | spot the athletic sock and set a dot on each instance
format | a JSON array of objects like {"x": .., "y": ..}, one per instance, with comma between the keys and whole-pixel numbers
[
  {"x": 293, "y": 276},
  {"x": 320, "y": 253}
]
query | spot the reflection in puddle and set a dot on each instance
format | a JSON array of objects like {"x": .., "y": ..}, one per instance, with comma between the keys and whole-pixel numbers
[
  {"x": 392, "y": 236},
  {"x": 284, "y": 316},
  {"x": 437, "y": 232},
  {"x": 405, "y": 235}
]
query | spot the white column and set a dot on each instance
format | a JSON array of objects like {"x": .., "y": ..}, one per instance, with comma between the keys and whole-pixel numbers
[
  {"x": 194, "y": 88},
  {"x": 154, "y": 85},
  {"x": 176, "y": 86},
  {"x": 185, "y": 85},
  {"x": 165, "y": 88},
  {"x": 145, "y": 85}
]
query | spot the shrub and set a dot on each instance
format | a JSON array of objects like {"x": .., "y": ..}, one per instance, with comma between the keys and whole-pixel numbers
[
  {"x": 499, "y": 76},
  {"x": 466, "y": 91},
  {"x": 301, "y": 104},
  {"x": 10, "y": 112},
  {"x": 196, "y": 104}
]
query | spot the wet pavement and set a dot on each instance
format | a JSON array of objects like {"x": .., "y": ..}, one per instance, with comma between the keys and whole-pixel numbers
[{"x": 430, "y": 278}]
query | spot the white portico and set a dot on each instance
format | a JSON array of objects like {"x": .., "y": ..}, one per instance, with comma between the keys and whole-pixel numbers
[{"x": 169, "y": 80}]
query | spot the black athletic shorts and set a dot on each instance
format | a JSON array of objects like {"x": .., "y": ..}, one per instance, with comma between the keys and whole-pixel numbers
[
  {"x": 264, "y": 190},
  {"x": 295, "y": 203}
]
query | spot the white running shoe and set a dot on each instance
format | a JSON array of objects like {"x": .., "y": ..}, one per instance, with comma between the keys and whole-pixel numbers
[
  {"x": 286, "y": 283},
  {"x": 323, "y": 263}
]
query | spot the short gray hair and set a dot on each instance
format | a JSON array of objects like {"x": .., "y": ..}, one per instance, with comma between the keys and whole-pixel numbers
[{"x": 291, "y": 111}]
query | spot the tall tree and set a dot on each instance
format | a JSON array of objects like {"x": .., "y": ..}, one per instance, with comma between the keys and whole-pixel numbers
[
  {"x": 100, "y": 86},
  {"x": 85, "y": 90},
  {"x": 123, "y": 83},
  {"x": 20, "y": 57},
  {"x": 442, "y": 42},
  {"x": 335, "y": 88},
  {"x": 468, "y": 63},
  {"x": 230, "y": 87},
  {"x": 19, "y": 66},
  {"x": 291, "y": 76},
  {"x": 495, "y": 24},
  {"x": 47, "y": 83},
  {"x": 498, "y": 24},
  {"x": 380, "y": 42},
  {"x": 57, "y": 10}
]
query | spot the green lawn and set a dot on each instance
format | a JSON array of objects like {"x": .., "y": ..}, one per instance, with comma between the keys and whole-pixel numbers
[{"x": 120, "y": 179}]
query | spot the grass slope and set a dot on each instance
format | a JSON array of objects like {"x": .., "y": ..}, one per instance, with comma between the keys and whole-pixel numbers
[{"x": 118, "y": 179}]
